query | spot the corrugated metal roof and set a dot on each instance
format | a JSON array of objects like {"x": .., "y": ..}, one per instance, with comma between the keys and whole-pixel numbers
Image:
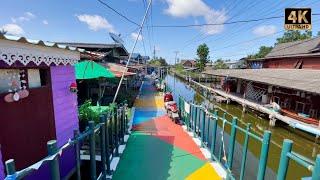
[
  {"x": 95, "y": 45},
  {"x": 309, "y": 47},
  {"x": 39, "y": 42},
  {"x": 299, "y": 79}
]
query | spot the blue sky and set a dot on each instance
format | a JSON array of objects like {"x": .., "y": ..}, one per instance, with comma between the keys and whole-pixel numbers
[{"x": 89, "y": 21}]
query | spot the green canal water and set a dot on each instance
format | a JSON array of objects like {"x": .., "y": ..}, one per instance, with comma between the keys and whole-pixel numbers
[{"x": 304, "y": 143}]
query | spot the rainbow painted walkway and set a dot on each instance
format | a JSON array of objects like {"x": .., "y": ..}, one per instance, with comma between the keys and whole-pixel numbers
[{"x": 158, "y": 149}]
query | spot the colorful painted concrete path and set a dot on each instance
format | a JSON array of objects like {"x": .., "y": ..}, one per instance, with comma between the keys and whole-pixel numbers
[{"x": 159, "y": 149}]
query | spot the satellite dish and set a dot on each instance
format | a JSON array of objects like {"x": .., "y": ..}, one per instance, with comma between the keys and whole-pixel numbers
[{"x": 116, "y": 38}]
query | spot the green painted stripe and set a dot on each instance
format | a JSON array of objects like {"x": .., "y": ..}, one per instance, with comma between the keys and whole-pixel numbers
[{"x": 147, "y": 157}]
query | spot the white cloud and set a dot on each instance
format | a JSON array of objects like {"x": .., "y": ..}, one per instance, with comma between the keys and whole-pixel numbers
[
  {"x": 29, "y": 15},
  {"x": 182, "y": 8},
  {"x": 45, "y": 22},
  {"x": 134, "y": 36},
  {"x": 96, "y": 22},
  {"x": 197, "y": 8},
  {"x": 13, "y": 29},
  {"x": 26, "y": 17},
  {"x": 264, "y": 30}
]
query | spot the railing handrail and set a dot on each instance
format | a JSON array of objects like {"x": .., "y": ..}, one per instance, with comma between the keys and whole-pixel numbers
[
  {"x": 286, "y": 154},
  {"x": 91, "y": 131}
]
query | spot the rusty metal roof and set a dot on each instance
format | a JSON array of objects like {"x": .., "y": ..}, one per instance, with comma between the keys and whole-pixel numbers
[{"x": 299, "y": 79}]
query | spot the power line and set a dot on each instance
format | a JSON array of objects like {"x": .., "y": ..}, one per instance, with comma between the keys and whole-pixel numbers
[
  {"x": 217, "y": 24},
  {"x": 243, "y": 26},
  {"x": 120, "y": 14},
  {"x": 225, "y": 23},
  {"x": 266, "y": 12},
  {"x": 133, "y": 48}
]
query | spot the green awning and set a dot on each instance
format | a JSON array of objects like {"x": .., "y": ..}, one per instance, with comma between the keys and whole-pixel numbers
[{"x": 91, "y": 70}]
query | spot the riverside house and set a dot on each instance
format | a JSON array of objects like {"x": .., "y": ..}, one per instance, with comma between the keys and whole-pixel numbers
[
  {"x": 289, "y": 76},
  {"x": 36, "y": 104}
]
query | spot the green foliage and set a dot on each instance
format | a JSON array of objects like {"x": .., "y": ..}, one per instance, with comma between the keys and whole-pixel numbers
[
  {"x": 263, "y": 51},
  {"x": 318, "y": 34},
  {"x": 179, "y": 67},
  {"x": 158, "y": 62},
  {"x": 198, "y": 98},
  {"x": 291, "y": 36},
  {"x": 203, "y": 56},
  {"x": 220, "y": 64},
  {"x": 86, "y": 113}
]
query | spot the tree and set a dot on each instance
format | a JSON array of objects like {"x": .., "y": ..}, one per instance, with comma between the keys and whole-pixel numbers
[
  {"x": 291, "y": 36},
  {"x": 3, "y": 32},
  {"x": 203, "y": 56},
  {"x": 318, "y": 33},
  {"x": 263, "y": 51},
  {"x": 158, "y": 62},
  {"x": 220, "y": 64}
]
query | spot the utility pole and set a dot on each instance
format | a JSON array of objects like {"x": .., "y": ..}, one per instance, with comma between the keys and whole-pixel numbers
[
  {"x": 154, "y": 52},
  {"x": 175, "y": 59}
]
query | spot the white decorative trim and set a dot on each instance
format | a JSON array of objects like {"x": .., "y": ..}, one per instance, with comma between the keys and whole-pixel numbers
[{"x": 12, "y": 52}]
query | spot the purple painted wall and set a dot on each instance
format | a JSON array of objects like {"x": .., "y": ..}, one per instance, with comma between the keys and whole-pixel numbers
[
  {"x": 65, "y": 113},
  {"x": 1, "y": 166},
  {"x": 64, "y": 102}
]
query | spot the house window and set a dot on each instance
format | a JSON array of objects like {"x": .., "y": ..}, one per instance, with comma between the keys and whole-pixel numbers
[
  {"x": 11, "y": 80},
  {"x": 276, "y": 99},
  {"x": 300, "y": 106},
  {"x": 37, "y": 78}
]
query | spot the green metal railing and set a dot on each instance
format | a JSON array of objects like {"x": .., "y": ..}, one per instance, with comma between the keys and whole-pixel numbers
[
  {"x": 204, "y": 125},
  {"x": 112, "y": 129}
]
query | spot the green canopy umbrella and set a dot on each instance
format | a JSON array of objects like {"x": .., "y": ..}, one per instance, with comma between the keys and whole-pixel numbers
[{"x": 91, "y": 70}]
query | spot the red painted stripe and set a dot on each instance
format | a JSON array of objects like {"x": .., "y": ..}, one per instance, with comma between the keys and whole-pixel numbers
[{"x": 164, "y": 129}]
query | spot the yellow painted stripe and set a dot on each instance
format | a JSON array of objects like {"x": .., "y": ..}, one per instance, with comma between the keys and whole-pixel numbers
[
  {"x": 204, "y": 173},
  {"x": 154, "y": 102}
]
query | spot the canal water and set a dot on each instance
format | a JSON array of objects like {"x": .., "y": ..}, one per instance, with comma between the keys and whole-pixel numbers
[{"x": 304, "y": 144}]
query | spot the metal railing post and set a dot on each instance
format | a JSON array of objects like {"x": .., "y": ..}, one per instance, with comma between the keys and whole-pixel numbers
[
  {"x": 77, "y": 152},
  {"x": 197, "y": 117},
  {"x": 116, "y": 117},
  {"x": 284, "y": 159},
  {"x": 203, "y": 125},
  {"x": 54, "y": 163},
  {"x": 264, "y": 155},
  {"x": 107, "y": 123},
  {"x": 208, "y": 128},
  {"x": 316, "y": 169},
  {"x": 103, "y": 145},
  {"x": 244, "y": 152},
  {"x": 10, "y": 167},
  {"x": 232, "y": 141},
  {"x": 126, "y": 126},
  {"x": 121, "y": 125},
  {"x": 92, "y": 150},
  {"x": 214, "y": 133},
  {"x": 111, "y": 137},
  {"x": 221, "y": 145},
  {"x": 179, "y": 106},
  {"x": 197, "y": 123}
]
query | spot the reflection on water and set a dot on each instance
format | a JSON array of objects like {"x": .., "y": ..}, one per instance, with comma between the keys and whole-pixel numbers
[{"x": 303, "y": 143}]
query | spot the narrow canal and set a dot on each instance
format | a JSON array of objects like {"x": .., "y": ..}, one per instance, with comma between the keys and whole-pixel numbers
[{"x": 304, "y": 144}]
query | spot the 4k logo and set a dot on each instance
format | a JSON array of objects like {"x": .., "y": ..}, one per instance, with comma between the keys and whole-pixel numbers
[{"x": 298, "y": 19}]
